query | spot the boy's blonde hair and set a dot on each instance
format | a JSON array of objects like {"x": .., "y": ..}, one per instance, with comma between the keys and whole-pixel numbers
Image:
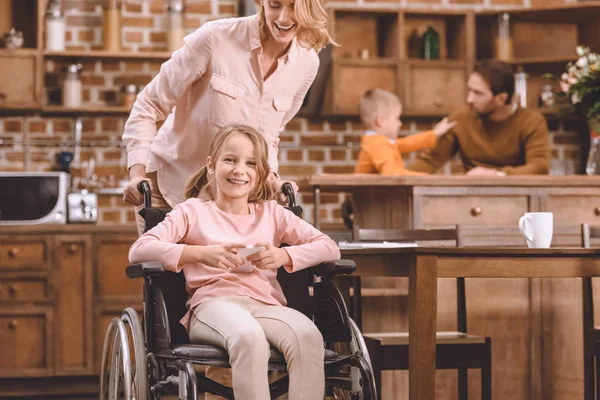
[
  {"x": 262, "y": 191},
  {"x": 312, "y": 20},
  {"x": 374, "y": 101}
]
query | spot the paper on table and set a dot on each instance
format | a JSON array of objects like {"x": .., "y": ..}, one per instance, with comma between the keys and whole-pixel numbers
[{"x": 373, "y": 245}]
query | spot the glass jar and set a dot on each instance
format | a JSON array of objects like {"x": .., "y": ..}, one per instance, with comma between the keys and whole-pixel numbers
[
  {"x": 503, "y": 43},
  {"x": 128, "y": 95},
  {"x": 414, "y": 45},
  {"x": 593, "y": 162},
  {"x": 72, "y": 86},
  {"x": 176, "y": 24},
  {"x": 55, "y": 27},
  {"x": 112, "y": 25},
  {"x": 431, "y": 44}
]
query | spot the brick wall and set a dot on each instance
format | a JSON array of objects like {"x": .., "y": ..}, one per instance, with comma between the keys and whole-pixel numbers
[{"x": 307, "y": 146}]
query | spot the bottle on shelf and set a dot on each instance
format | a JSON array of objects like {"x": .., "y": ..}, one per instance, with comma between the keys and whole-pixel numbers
[
  {"x": 176, "y": 24},
  {"x": 414, "y": 45},
  {"x": 55, "y": 27},
  {"x": 112, "y": 25},
  {"x": 520, "y": 87},
  {"x": 72, "y": 86},
  {"x": 503, "y": 43},
  {"x": 431, "y": 44}
]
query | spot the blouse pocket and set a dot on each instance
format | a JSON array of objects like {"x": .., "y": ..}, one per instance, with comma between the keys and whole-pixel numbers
[
  {"x": 227, "y": 100},
  {"x": 281, "y": 105}
]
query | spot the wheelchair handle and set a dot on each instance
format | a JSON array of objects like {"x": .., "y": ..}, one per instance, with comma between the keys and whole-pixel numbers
[
  {"x": 144, "y": 188},
  {"x": 288, "y": 191}
]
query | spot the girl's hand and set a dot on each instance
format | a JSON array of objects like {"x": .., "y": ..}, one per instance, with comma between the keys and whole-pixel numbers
[
  {"x": 270, "y": 258},
  {"x": 220, "y": 256}
]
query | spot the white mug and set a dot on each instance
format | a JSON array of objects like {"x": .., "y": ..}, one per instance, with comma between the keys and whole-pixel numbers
[{"x": 536, "y": 228}]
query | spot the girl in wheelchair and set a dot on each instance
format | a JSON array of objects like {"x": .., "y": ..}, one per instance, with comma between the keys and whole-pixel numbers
[{"x": 243, "y": 312}]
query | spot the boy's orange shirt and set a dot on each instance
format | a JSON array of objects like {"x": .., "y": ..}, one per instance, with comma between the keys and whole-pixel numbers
[{"x": 379, "y": 156}]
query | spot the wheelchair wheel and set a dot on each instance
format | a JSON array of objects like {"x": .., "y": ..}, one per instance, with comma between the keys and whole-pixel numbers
[
  {"x": 123, "y": 376},
  {"x": 361, "y": 383}
]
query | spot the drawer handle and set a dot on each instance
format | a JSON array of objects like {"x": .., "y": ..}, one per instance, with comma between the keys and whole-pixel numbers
[
  {"x": 438, "y": 102},
  {"x": 73, "y": 249},
  {"x": 597, "y": 211},
  {"x": 13, "y": 324},
  {"x": 475, "y": 211},
  {"x": 13, "y": 289},
  {"x": 12, "y": 253}
]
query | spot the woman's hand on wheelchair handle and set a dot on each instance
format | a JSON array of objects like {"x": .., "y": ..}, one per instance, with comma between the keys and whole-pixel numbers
[
  {"x": 223, "y": 256},
  {"x": 131, "y": 194},
  {"x": 276, "y": 184},
  {"x": 271, "y": 258}
]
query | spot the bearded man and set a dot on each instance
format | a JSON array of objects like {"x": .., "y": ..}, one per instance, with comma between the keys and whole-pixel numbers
[{"x": 493, "y": 136}]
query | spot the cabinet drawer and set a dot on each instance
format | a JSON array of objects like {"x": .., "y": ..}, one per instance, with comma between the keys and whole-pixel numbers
[
  {"x": 471, "y": 210},
  {"x": 23, "y": 255},
  {"x": 574, "y": 210},
  {"x": 24, "y": 340},
  {"x": 23, "y": 289},
  {"x": 18, "y": 79}
]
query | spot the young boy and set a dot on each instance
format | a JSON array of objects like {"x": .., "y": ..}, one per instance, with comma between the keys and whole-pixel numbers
[{"x": 380, "y": 149}]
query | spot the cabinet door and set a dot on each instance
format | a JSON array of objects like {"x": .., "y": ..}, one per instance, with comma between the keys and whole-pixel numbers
[
  {"x": 25, "y": 342},
  {"x": 434, "y": 88},
  {"x": 18, "y": 79},
  {"x": 73, "y": 304}
]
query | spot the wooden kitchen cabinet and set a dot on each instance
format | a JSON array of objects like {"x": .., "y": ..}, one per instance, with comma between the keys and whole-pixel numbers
[{"x": 59, "y": 288}]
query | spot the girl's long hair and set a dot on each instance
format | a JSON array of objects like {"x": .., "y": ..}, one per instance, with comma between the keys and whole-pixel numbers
[
  {"x": 262, "y": 191},
  {"x": 312, "y": 20}
]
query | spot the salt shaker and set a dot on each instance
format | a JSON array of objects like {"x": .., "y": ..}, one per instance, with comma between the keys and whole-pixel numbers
[
  {"x": 55, "y": 27},
  {"x": 176, "y": 29},
  {"x": 72, "y": 86}
]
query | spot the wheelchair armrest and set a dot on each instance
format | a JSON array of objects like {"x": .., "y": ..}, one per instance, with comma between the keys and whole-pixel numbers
[
  {"x": 342, "y": 267},
  {"x": 144, "y": 269}
]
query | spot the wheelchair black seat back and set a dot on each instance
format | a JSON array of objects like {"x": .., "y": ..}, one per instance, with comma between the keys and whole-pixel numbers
[{"x": 163, "y": 356}]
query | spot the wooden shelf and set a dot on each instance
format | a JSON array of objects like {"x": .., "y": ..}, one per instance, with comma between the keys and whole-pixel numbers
[
  {"x": 560, "y": 14},
  {"x": 151, "y": 55},
  {"x": 448, "y": 63},
  {"x": 91, "y": 109},
  {"x": 371, "y": 62},
  {"x": 19, "y": 52},
  {"x": 543, "y": 60},
  {"x": 18, "y": 108}
]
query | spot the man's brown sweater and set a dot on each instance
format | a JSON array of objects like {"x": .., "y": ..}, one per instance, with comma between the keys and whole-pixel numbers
[{"x": 518, "y": 145}]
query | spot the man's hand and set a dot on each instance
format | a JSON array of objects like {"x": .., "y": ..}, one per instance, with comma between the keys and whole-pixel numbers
[
  {"x": 443, "y": 126},
  {"x": 131, "y": 194},
  {"x": 482, "y": 171},
  {"x": 270, "y": 258},
  {"x": 276, "y": 184}
]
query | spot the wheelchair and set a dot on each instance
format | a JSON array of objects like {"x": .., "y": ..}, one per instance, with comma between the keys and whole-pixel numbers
[{"x": 154, "y": 358}]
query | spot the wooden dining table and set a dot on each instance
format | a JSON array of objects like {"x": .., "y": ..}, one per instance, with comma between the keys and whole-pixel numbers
[{"x": 424, "y": 265}]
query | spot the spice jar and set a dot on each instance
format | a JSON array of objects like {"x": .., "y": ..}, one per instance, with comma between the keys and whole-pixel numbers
[
  {"x": 176, "y": 29},
  {"x": 55, "y": 27},
  {"x": 521, "y": 87},
  {"x": 72, "y": 87},
  {"x": 128, "y": 95},
  {"x": 112, "y": 25}
]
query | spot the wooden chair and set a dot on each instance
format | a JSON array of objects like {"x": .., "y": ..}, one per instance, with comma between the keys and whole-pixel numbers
[
  {"x": 591, "y": 334},
  {"x": 454, "y": 350}
]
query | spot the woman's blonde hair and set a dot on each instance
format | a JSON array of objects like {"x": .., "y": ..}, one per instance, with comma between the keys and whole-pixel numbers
[
  {"x": 262, "y": 191},
  {"x": 312, "y": 20}
]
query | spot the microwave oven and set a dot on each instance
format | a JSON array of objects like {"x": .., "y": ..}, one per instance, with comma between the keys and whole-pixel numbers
[{"x": 31, "y": 198}]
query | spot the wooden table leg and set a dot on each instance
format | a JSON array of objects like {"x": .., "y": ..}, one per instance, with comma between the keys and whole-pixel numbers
[{"x": 422, "y": 324}]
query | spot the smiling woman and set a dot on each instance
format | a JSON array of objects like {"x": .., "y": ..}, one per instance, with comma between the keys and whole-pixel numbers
[{"x": 253, "y": 70}]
